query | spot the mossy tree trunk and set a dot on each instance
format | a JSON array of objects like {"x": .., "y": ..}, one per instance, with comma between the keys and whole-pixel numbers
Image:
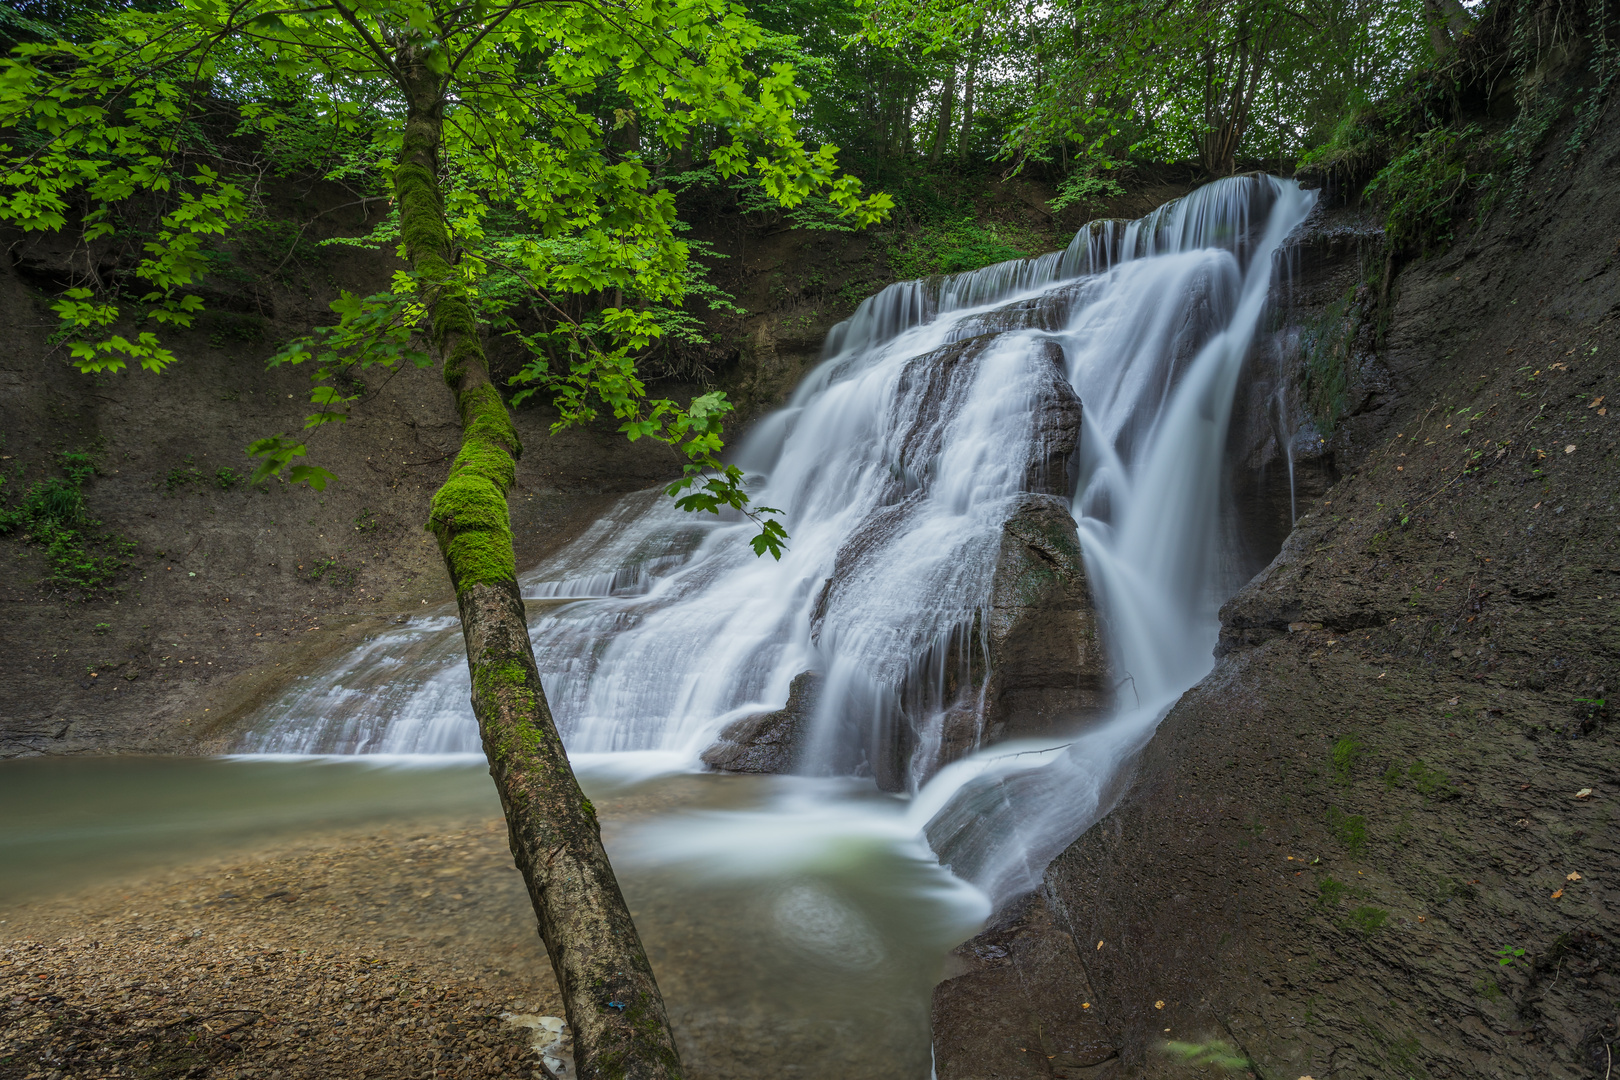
[{"x": 617, "y": 1016}]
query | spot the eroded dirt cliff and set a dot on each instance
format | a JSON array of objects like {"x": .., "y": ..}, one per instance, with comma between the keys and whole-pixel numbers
[{"x": 230, "y": 588}]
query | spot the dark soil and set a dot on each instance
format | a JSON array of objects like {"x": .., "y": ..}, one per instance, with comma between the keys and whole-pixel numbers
[{"x": 1379, "y": 840}]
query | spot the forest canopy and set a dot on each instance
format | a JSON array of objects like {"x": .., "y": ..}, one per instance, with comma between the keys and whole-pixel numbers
[
  {"x": 563, "y": 197},
  {"x": 540, "y": 139}
]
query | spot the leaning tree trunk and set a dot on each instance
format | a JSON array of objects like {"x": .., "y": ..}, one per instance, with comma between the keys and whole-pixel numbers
[{"x": 617, "y": 1016}]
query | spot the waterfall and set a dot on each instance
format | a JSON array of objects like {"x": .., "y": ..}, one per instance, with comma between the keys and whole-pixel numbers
[
  {"x": 1158, "y": 380},
  {"x": 897, "y": 464}
]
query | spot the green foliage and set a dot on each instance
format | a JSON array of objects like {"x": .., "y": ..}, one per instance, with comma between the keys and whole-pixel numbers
[
  {"x": 1351, "y": 829},
  {"x": 1330, "y": 891},
  {"x": 1086, "y": 190},
  {"x": 182, "y": 476},
  {"x": 1509, "y": 955},
  {"x": 816, "y": 213},
  {"x": 1367, "y": 919},
  {"x": 1431, "y": 782},
  {"x": 1429, "y": 166},
  {"x": 1344, "y": 755},
  {"x": 333, "y": 572},
  {"x": 15, "y": 26},
  {"x": 1222, "y": 1055},
  {"x": 1358, "y": 145},
  {"x": 77, "y": 465},
  {"x": 275, "y": 456},
  {"x": 81, "y": 560},
  {"x": 956, "y": 246},
  {"x": 1424, "y": 189},
  {"x": 596, "y": 379},
  {"x": 376, "y": 330},
  {"x": 366, "y": 521},
  {"x": 52, "y": 515},
  {"x": 188, "y": 474},
  {"x": 546, "y": 126},
  {"x": 54, "y": 502},
  {"x": 1220, "y": 82}
]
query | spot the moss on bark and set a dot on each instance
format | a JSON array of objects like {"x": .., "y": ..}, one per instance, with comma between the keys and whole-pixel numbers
[{"x": 612, "y": 1000}]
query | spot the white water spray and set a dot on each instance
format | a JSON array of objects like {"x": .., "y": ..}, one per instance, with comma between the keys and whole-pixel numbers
[{"x": 896, "y": 463}]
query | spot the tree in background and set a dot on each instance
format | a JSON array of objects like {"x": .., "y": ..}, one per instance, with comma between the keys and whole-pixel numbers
[
  {"x": 515, "y": 139},
  {"x": 1094, "y": 81}
]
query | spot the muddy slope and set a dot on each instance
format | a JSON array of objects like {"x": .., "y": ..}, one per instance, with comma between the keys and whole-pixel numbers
[{"x": 1380, "y": 839}]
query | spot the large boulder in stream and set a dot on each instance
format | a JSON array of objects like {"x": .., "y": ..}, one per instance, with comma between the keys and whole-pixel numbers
[
  {"x": 1047, "y": 661},
  {"x": 1019, "y": 654},
  {"x": 942, "y": 629},
  {"x": 1041, "y": 664},
  {"x": 768, "y": 742}
]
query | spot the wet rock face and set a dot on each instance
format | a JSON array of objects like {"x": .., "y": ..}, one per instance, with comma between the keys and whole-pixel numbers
[
  {"x": 1025, "y": 660},
  {"x": 1015, "y": 1004},
  {"x": 768, "y": 742},
  {"x": 1290, "y": 416},
  {"x": 1057, "y": 430},
  {"x": 1047, "y": 666}
]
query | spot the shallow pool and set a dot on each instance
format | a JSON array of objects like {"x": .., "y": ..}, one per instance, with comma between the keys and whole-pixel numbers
[{"x": 797, "y": 926}]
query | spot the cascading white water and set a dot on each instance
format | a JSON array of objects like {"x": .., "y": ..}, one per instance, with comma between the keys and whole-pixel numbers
[
  {"x": 1148, "y": 512},
  {"x": 895, "y": 464}
]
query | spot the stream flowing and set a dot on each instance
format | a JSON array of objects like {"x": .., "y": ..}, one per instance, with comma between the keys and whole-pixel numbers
[{"x": 895, "y": 465}]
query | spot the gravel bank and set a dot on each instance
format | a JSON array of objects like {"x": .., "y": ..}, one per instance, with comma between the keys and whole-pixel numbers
[{"x": 386, "y": 955}]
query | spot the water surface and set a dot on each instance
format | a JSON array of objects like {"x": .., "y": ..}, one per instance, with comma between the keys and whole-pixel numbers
[{"x": 804, "y": 952}]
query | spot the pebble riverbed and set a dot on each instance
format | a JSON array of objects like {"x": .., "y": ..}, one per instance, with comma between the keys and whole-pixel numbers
[{"x": 384, "y": 954}]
